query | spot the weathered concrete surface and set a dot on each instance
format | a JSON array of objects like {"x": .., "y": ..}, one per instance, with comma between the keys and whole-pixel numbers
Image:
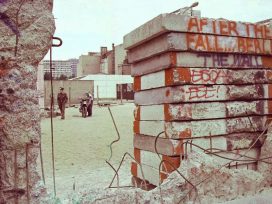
[
  {"x": 182, "y": 23},
  {"x": 25, "y": 37},
  {"x": 202, "y": 128},
  {"x": 249, "y": 161},
  {"x": 180, "y": 76},
  {"x": 263, "y": 198},
  {"x": 163, "y": 146},
  {"x": 152, "y": 175},
  {"x": 174, "y": 147},
  {"x": 203, "y": 81},
  {"x": 148, "y": 166},
  {"x": 202, "y": 60},
  {"x": 205, "y": 110},
  {"x": 153, "y": 159},
  {"x": 265, "y": 167},
  {"x": 199, "y": 43},
  {"x": 200, "y": 93},
  {"x": 216, "y": 184}
]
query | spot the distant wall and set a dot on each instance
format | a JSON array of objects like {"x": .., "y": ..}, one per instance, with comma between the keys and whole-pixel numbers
[
  {"x": 88, "y": 64},
  {"x": 120, "y": 56},
  {"x": 74, "y": 89}
]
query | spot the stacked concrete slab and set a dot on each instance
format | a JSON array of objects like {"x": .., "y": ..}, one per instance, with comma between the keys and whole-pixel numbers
[{"x": 198, "y": 79}]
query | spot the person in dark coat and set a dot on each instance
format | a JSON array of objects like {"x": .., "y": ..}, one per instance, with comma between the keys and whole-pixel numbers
[
  {"x": 62, "y": 100},
  {"x": 90, "y": 104}
]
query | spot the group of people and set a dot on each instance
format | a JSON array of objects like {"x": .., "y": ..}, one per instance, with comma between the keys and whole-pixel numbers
[{"x": 62, "y": 100}]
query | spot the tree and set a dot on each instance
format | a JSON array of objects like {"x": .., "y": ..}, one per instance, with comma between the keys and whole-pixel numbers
[
  {"x": 47, "y": 76},
  {"x": 63, "y": 77}
]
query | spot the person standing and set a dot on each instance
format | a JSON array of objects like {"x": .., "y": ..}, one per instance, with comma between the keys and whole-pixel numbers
[
  {"x": 90, "y": 104},
  {"x": 62, "y": 100}
]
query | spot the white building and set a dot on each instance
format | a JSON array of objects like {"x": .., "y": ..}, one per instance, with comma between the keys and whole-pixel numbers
[
  {"x": 107, "y": 84},
  {"x": 61, "y": 67},
  {"x": 74, "y": 62}
]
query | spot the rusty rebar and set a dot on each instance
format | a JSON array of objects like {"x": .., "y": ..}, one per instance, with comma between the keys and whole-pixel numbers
[
  {"x": 123, "y": 158},
  {"x": 207, "y": 178},
  {"x": 15, "y": 174},
  {"x": 118, "y": 134},
  {"x": 27, "y": 174}
]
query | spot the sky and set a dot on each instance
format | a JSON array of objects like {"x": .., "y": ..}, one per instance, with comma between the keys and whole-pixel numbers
[{"x": 86, "y": 25}]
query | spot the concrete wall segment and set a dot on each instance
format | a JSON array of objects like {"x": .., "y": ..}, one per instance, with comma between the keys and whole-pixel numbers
[
  {"x": 202, "y": 128},
  {"x": 200, "y": 79},
  {"x": 199, "y": 43},
  {"x": 180, "y": 75},
  {"x": 200, "y": 60},
  {"x": 183, "y": 23},
  {"x": 201, "y": 93},
  {"x": 201, "y": 111}
]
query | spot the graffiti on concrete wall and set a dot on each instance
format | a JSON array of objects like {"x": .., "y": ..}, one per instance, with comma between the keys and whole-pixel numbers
[
  {"x": 208, "y": 75},
  {"x": 212, "y": 43},
  {"x": 202, "y": 92},
  {"x": 231, "y": 60},
  {"x": 256, "y": 38},
  {"x": 229, "y": 28}
]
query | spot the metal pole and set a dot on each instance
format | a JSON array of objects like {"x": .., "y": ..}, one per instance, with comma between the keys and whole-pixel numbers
[
  {"x": 97, "y": 94},
  {"x": 121, "y": 93},
  {"x": 69, "y": 96},
  {"x": 52, "y": 129},
  {"x": 116, "y": 129}
]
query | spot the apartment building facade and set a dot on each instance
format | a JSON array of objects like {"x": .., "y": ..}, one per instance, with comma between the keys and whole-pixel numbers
[{"x": 67, "y": 68}]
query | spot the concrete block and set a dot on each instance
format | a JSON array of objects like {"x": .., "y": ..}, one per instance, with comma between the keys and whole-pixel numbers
[
  {"x": 174, "y": 147},
  {"x": 177, "y": 147},
  {"x": 182, "y": 23},
  {"x": 201, "y": 93},
  {"x": 205, "y": 110},
  {"x": 151, "y": 175},
  {"x": 189, "y": 59},
  {"x": 250, "y": 157},
  {"x": 199, "y": 43},
  {"x": 164, "y": 146},
  {"x": 155, "y": 177},
  {"x": 203, "y": 128},
  {"x": 169, "y": 164},
  {"x": 180, "y": 76}
]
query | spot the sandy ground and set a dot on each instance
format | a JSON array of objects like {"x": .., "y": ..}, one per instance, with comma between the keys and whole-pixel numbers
[{"x": 82, "y": 145}]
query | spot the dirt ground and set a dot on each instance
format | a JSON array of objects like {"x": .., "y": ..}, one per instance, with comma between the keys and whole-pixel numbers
[{"x": 82, "y": 145}]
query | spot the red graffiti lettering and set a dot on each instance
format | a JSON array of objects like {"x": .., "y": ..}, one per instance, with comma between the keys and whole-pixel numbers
[
  {"x": 211, "y": 76},
  {"x": 202, "y": 92}
]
